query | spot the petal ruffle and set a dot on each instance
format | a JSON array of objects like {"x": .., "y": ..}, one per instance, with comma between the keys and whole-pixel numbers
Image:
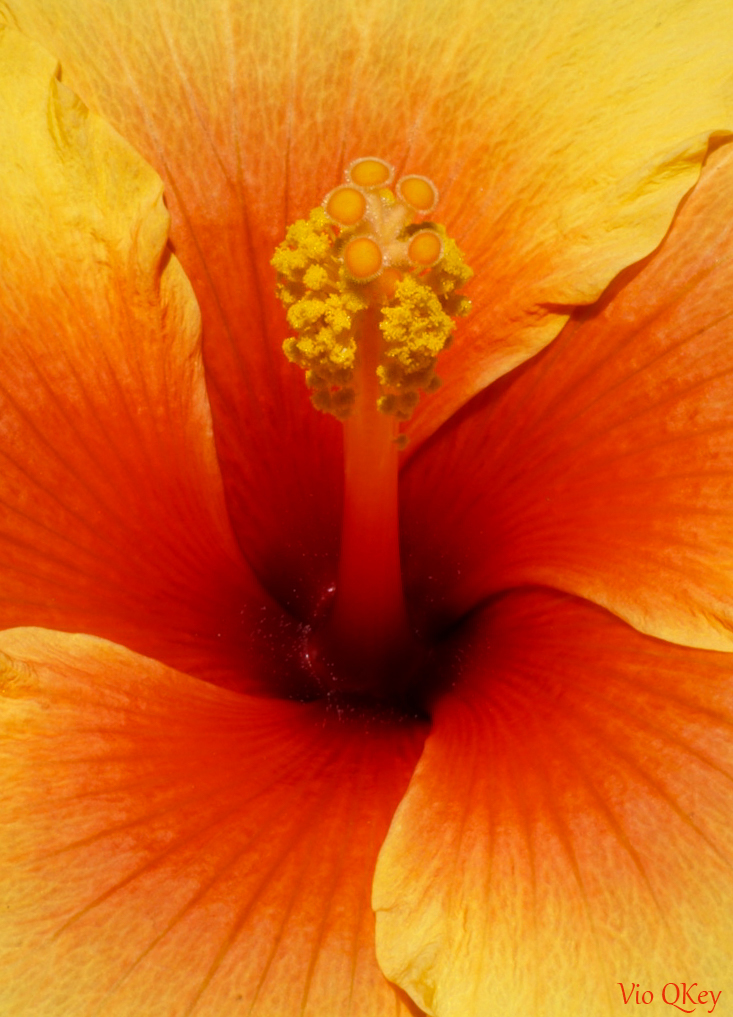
[
  {"x": 112, "y": 515},
  {"x": 562, "y": 136},
  {"x": 568, "y": 826},
  {"x": 605, "y": 467},
  {"x": 171, "y": 847}
]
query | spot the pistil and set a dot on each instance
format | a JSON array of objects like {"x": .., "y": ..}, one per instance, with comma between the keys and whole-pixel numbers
[
  {"x": 366, "y": 645},
  {"x": 371, "y": 292}
]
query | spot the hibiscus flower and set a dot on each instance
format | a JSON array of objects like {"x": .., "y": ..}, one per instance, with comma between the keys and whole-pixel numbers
[{"x": 191, "y": 826}]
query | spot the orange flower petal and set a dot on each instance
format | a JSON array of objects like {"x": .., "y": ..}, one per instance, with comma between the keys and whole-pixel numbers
[
  {"x": 561, "y": 137},
  {"x": 606, "y": 466},
  {"x": 568, "y": 826},
  {"x": 173, "y": 847},
  {"x": 112, "y": 516}
]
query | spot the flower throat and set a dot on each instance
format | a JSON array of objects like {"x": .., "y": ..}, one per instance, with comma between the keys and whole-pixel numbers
[{"x": 370, "y": 290}]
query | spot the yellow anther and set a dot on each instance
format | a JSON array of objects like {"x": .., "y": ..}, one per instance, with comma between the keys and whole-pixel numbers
[
  {"x": 419, "y": 193},
  {"x": 425, "y": 249},
  {"x": 363, "y": 258},
  {"x": 362, "y": 248},
  {"x": 345, "y": 205},
  {"x": 370, "y": 172}
]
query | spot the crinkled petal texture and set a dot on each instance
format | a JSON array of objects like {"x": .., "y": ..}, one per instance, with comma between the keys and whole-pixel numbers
[
  {"x": 170, "y": 847},
  {"x": 561, "y": 134},
  {"x": 112, "y": 512},
  {"x": 568, "y": 825},
  {"x": 605, "y": 467}
]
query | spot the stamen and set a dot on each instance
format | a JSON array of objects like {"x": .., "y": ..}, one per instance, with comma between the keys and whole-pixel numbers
[
  {"x": 361, "y": 249},
  {"x": 371, "y": 294}
]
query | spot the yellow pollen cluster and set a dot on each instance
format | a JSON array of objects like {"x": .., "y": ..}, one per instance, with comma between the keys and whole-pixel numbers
[{"x": 363, "y": 248}]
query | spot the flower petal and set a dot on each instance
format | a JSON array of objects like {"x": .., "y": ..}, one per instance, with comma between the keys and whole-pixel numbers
[
  {"x": 605, "y": 467},
  {"x": 568, "y": 826},
  {"x": 561, "y": 135},
  {"x": 112, "y": 516},
  {"x": 176, "y": 848}
]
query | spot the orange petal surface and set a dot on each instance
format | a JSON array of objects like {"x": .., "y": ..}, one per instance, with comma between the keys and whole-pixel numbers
[
  {"x": 561, "y": 137},
  {"x": 605, "y": 467},
  {"x": 568, "y": 825},
  {"x": 112, "y": 515},
  {"x": 173, "y": 848}
]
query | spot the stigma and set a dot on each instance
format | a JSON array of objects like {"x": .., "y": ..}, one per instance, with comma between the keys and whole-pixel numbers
[{"x": 369, "y": 249}]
